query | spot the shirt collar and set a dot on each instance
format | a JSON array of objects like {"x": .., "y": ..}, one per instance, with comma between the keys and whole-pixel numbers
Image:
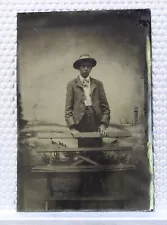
[{"x": 82, "y": 79}]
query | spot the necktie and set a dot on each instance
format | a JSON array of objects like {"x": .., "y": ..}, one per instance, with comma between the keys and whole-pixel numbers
[{"x": 85, "y": 83}]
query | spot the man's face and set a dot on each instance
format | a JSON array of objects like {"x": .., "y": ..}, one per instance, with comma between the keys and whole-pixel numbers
[{"x": 85, "y": 68}]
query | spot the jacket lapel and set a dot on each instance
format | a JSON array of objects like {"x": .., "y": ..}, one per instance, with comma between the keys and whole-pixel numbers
[
  {"x": 93, "y": 85},
  {"x": 78, "y": 82}
]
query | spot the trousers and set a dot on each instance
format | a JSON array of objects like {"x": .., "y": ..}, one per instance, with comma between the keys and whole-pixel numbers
[
  {"x": 89, "y": 123},
  {"x": 90, "y": 182}
]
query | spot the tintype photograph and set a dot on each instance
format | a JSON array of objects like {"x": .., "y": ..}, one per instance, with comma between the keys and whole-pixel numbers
[{"x": 84, "y": 111}]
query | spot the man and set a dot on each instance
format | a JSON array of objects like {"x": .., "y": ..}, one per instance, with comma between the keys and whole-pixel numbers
[{"x": 87, "y": 108}]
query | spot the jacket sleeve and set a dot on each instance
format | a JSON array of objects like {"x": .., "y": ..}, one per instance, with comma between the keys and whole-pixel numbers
[
  {"x": 69, "y": 106},
  {"x": 104, "y": 106}
]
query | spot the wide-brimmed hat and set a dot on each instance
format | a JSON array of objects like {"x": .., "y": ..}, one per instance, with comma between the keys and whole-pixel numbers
[{"x": 82, "y": 58}]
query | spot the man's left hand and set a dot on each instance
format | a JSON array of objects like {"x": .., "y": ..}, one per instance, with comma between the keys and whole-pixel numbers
[{"x": 103, "y": 130}]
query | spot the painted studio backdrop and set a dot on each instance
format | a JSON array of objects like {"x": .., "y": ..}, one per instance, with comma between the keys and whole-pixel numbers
[{"x": 48, "y": 45}]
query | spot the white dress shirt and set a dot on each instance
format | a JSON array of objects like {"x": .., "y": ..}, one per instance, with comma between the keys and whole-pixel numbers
[{"x": 87, "y": 91}]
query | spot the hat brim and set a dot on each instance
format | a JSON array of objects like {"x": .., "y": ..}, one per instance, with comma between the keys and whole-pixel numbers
[{"x": 77, "y": 63}]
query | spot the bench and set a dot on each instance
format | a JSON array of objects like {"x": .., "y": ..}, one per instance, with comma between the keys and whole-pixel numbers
[{"x": 75, "y": 166}]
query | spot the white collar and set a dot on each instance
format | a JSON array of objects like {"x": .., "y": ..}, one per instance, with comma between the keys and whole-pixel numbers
[{"x": 82, "y": 79}]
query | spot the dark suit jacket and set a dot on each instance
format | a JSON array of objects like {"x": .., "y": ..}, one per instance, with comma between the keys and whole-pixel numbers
[{"x": 75, "y": 107}]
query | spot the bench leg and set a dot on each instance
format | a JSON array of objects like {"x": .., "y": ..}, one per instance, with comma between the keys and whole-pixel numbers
[
  {"x": 46, "y": 205},
  {"x": 49, "y": 190}
]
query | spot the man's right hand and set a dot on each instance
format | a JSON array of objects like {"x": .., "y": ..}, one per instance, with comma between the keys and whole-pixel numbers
[{"x": 75, "y": 133}]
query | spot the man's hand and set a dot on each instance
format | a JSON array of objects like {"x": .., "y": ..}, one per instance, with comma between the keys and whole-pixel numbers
[
  {"x": 103, "y": 130},
  {"x": 75, "y": 133}
]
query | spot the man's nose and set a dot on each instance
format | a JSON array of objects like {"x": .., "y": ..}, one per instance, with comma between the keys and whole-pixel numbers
[{"x": 86, "y": 68}]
